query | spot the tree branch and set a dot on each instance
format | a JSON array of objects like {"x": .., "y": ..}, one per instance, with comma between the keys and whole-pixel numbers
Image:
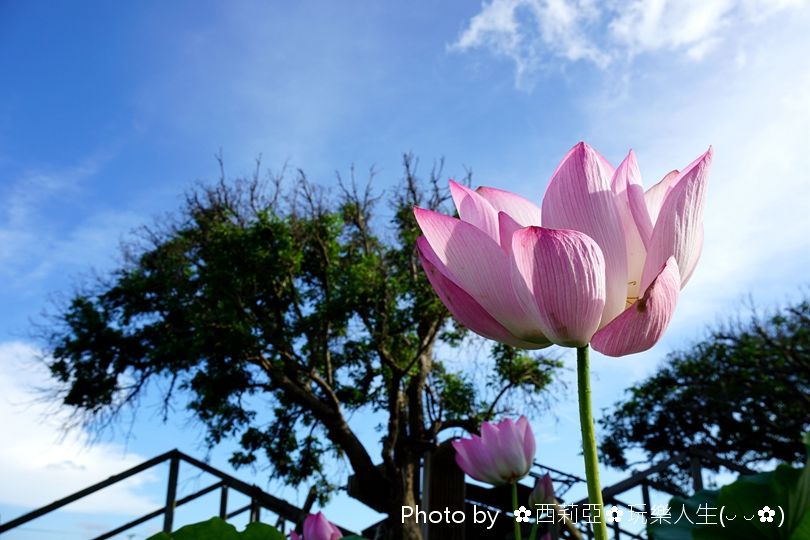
[{"x": 332, "y": 419}]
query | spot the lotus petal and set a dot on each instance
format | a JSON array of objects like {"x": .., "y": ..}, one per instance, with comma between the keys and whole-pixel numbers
[
  {"x": 479, "y": 266},
  {"x": 580, "y": 197},
  {"x": 506, "y": 228},
  {"x": 559, "y": 279},
  {"x": 317, "y": 527},
  {"x": 654, "y": 197},
  {"x": 627, "y": 188},
  {"x": 641, "y": 325},
  {"x": 678, "y": 231},
  {"x": 518, "y": 208},
  {"x": 461, "y": 305},
  {"x": 475, "y": 209}
]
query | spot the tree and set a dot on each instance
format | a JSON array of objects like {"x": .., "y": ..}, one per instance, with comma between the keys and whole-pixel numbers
[
  {"x": 276, "y": 314},
  {"x": 742, "y": 394}
]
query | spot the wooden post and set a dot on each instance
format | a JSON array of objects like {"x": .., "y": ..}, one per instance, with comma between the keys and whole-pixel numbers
[
  {"x": 443, "y": 486},
  {"x": 171, "y": 495},
  {"x": 645, "y": 498},
  {"x": 255, "y": 511},
  {"x": 223, "y": 503}
]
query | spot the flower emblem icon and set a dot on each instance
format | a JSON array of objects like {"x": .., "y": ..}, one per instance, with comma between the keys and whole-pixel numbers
[
  {"x": 522, "y": 515},
  {"x": 615, "y": 514},
  {"x": 766, "y": 513}
]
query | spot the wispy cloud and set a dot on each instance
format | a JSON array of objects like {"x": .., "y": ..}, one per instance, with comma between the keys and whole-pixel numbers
[
  {"x": 23, "y": 198},
  {"x": 529, "y": 31},
  {"x": 47, "y": 230},
  {"x": 670, "y": 79},
  {"x": 758, "y": 120},
  {"x": 38, "y": 464},
  {"x": 537, "y": 33},
  {"x": 750, "y": 103},
  {"x": 692, "y": 26}
]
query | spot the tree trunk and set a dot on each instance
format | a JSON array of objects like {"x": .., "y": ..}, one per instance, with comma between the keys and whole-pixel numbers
[
  {"x": 399, "y": 486},
  {"x": 405, "y": 492}
]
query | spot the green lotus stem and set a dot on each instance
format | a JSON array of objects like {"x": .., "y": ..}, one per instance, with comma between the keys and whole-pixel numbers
[
  {"x": 514, "y": 507},
  {"x": 535, "y": 528},
  {"x": 589, "y": 441}
]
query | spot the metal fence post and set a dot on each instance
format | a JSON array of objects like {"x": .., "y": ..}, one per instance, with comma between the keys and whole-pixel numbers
[
  {"x": 645, "y": 498},
  {"x": 616, "y": 531},
  {"x": 255, "y": 510},
  {"x": 223, "y": 503},
  {"x": 171, "y": 494}
]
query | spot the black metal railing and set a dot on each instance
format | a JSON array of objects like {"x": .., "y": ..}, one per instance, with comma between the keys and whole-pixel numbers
[
  {"x": 259, "y": 499},
  {"x": 577, "y": 527},
  {"x": 495, "y": 498},
  {"x": 645, "y": 482},
  {"x": 562, "y": 481}
]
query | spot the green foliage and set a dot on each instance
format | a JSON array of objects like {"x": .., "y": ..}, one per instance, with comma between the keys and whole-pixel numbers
[
  {"x": 216, "y": 529},
  {"x": 785, "y": 490},
  {"x": 742, "y": 394},
  {"x": 522, "y": 370},
  {"x": 273, "y": 315}
]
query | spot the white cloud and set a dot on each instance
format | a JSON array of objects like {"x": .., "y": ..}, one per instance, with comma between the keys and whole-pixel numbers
[
  {"x": 35, "y": 245},
  {"x": 39, "y": 464},
  {"x": 650, "y": 25},
  {"x": 524, "y": 30},
  {"x": 533, "y": 32},
  {"x": 22, "y": 201},
  {"x": 730, "y": 74},
  {"x": 755, "y": 113},
  {"x": 752, "y": 105}
]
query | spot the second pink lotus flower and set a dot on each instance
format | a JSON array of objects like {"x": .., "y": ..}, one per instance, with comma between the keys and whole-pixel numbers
[
  {"x": 317, "y": 527},
  {"x": 502, "y": 454},
  {"x": 602, "y": 262}
]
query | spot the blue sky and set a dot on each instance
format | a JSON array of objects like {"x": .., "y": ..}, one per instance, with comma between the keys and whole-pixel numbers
[{"x": 109, "y": 111}]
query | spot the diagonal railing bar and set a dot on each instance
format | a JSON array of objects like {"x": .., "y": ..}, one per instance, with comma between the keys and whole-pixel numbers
[
  {"x": 640, "y": 479},
  {"x": 240, "y": 510},
  {"x": 278, "y": 506},
  {"x": 159, "y": 511},
  {"x": 258, "y": 497},
  {"x": 637, "y": 479},
  {"x": 25, "y": 518},
  {"x": 573, "y": 477},
  {"x": 287, "y": 512},
  {"x": 618, "y": 502},
  {"x": 563, "y": 480},
  {"x": 730, "y": 465},
  {"x": 696, "y": 459}
]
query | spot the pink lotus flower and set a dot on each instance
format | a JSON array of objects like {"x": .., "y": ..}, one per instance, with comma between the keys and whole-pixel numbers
[
  {"x": 543, "y": 492},
  {"x": 502, "y": 454},
  {"x": 317, "y": 527},
  {"x": 604, "y": 265}
]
